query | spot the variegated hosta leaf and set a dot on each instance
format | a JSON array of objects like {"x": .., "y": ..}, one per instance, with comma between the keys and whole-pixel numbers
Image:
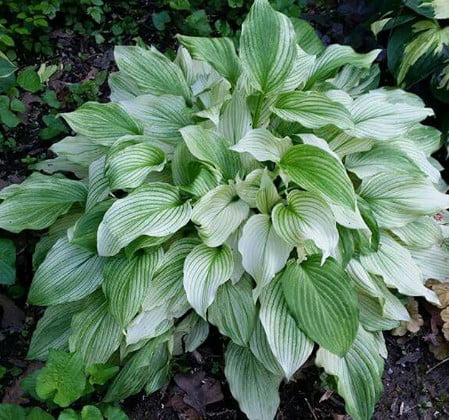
[
  {"x": 143, "y": 367},
  {"x": 397, "y": 267},
  {"x": 372, "y": 316},
  {"x": 95, "y": 333},
  {"x": 67, "y": 274},
  {"x": 127, "y": 281},
  {"x": 323, "y": 301},
  {"x": 288, "y": 343},
  {"x": 267, "y": 47},
  {"x": 218, "y": 52},
  {"x": 103, "y": 123},
  {"x": 189, "y": 334},
  {"x": 205, "y": 269},
  {"x": 383, "y": 114},
  {"x": 434, "y": 9},
  {"x": 130, "y": 161},
  {"x": 122, "y": 87},
  {"x": 219, "y": 213},
  {"x": 153, "y": 210},
  {"x": 426, "y": 138},
  {"x": 433, "y": 262},
  {"x": 316, "y": 170},
  {"x": 210, "y": 147},
  {"x": 267, "y": 196},
  {"x": 253, "y": 386},
  {"x": 422, "y": 233},
  {"x": 261, "y": 144},
  {"x": 38, "y": 202},
  {"x": 152, "y": 71},
  {"x": 264, "y": 252},
  {"x": 78, "y": 149},
  {"x": 306, "y": 37},
  {"x": 312, "y": 110},
  {"x": 234, "y": 311},
  {"x": 161, "y": 116},
  {"x": 397, "y": 199},
  {"x": 306, "y": 216},
  {"x": 358, "y": 374},
  {"x": 98, "y": 187}
]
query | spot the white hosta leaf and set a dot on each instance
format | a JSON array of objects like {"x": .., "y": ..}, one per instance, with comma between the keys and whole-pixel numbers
[
  {"x": 323, "y": 302},
  {"x": 397, "y": 199},
  {"x": 248, "y": 188},
  {"x": 397, "y": 267},
  {"x": 264, "y": 252},
  {"x": 267, "y": 196},
  {"x": 161, "y": 116},
  {"x": 218, "y": 52},
  {"x": 98, "y": 187},
  {"x": 122, "y": 87},
  {"x": 318, "y": 142},
  {"x": 205, "y": 269},
  {"x": 127, "y": 282},
  {"x": 234, "y": 311},
  {"x": 312, "y": 110},
  {"x": 151, "y": 71},
  {"x": 422, "y": 233},
  {"x": 208, "y": 146},
  {"x": 103, "y": 123},
  {"x": 383, "y": 114},
  {"x": 426, "y": 138},
  {"x": 336, "y": 56},
  {"x": 233, "y": 243},
  {"x": 433, "y": 262},
  {"x": 153, "y": 210},
  {"x": 189, "y": 334},
  {"x": 306, "y": 216},
  {"x": 348, "y": 218},
  {"x": 344, "y": 144},
  {"x": 254, "y": 387},
  {"x": 267, "y": 47},
  {"x": 38, "y": 202},
  {"x": 318, "y": 171},
  {"x": 78, "y": 149},
  {"x": 129, "y": 163},
  {"x": 263, "y": 145},
  {"x": 95, "y": 332},
  {"x": 359, "y": 374},
  {"x": 67, "y": 274},
  {"x": 288, "y": 343},
  {"x": 219, "y": 213}
]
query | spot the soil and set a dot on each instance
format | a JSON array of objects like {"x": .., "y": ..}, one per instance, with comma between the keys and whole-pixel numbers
[{"x": 416, "y": 384}]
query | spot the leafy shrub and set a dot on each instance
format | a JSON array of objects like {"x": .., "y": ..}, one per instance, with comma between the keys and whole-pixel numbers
[
  {"x": 276, "y": 193},
  {"x": 418, "y": 45}
]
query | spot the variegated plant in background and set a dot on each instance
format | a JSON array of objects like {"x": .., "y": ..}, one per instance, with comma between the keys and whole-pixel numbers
[{"x": 275, "y": 192}]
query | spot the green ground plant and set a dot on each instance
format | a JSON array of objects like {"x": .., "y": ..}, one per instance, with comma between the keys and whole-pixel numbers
[{"x": 274, "y": 191}]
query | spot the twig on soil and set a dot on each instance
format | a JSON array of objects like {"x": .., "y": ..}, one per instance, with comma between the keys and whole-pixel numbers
[
  {"x": 311, "y": 409},
  {"x": 437, "y": 365}
]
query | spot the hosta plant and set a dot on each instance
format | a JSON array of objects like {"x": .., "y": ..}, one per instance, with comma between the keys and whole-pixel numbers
[{"x": 276, "y": 193}]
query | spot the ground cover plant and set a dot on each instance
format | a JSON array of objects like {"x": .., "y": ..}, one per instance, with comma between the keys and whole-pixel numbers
[{"x": 276, "y": 193}]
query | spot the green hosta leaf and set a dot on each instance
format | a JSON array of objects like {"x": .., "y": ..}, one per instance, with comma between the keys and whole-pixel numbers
[
  {"x": 67, "y": 274},
  {"x": 312, "y": 110},
  {"x": 267, "y": 47},
  {"x": 127, "y": 282},
  {"x": 153, "y": 210},
  {"x": 433, "y": 262},
  {"x": 316, "y": 170},
  {"x": 37, "y": 413},
  {"x": 306, "y": 37},
  {"x": 323, "y": 301},
  {"x": 433, "y": 9},
  {"x": 359, "y": 374},
  {"x": 372, "y": 316},
  {"x": 261, "y": 144},
  {"x": 210, "y": 147},
  {"x": 103, "y": 123},
  {"x": 253, "y": 386},
  {"x": 219, "y": 213},
  {"x": 12, "y": 411},
  {"x": 336, "y": 56},
  {"x": 205, "y": 269},
  {"x": 395, "y": 264},
  {"x": 100, "y": 373},
  {"x": 422, "y": 233},
  {"x": 130, "y": 161},
  {"x": 90, "y": 412},
  {"x": 152, "y": 71},
  {"x": 78, "y": 149},
  {"x": 6, "y": 67},
  {"x": 7, "y": 261},
  {"x": 383, "y": 114},
  {"x": 95, "y": 333},
  {"x": 218, "y": 52},
  {"x": 306, "y": 216},
  {"x": 234, "y": 311},
  {"x": 143, "y": 366},
  {"x": 62, "y": 379},
  {"x": 397, "y": 199},
  {"x": 38, "y": 202},
  {"x": 288, "y": 343},
  {"x": 263, "y": 251},
  {"x": 161, "y": 116},
  {"x": 53, "y": 329}
]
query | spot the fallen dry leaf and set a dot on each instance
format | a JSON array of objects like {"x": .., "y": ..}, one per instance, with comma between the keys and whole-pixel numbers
[{"x": 416, "y": 322}]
